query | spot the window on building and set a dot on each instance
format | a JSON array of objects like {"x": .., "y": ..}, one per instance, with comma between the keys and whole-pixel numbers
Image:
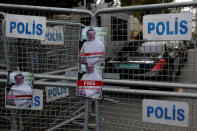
[
  {"x": 119, "y": 29},
  {"x": 87, "y": 21}
]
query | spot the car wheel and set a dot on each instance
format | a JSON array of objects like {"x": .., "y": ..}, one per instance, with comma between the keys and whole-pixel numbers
[
  {"x": 172, "y": 76},
  {"x": 164, "y": 76},
  {"x": 185, "y": 60},
  {"x": 179, "y": 70}
]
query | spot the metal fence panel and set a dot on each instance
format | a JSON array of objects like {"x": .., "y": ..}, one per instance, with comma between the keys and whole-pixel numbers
[
  {"x": 29, "y": 55},
  {"x": 123, "y": 110},
  {"x": 119, "y": 110},
  {"x": 125, "y": 43}
]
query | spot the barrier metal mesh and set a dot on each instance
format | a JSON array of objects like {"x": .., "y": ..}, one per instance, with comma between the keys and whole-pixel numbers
[
  {"x": 122, "y": 111},
  {"x": 119, "y": 111},
  {"x": 130, "y": 57},
  {"x": 29, "y": 55}
]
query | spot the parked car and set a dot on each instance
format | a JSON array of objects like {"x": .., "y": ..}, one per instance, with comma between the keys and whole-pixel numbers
[
  {"x": 191, "y": 44},
  {"x": 146, "y": 61},
  {"x": 181, "y": 47}
]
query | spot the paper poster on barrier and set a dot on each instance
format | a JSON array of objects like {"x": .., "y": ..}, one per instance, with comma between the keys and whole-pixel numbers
[
  {"x": 91, "y": 62},
  {"x": 19, "y": 90}
]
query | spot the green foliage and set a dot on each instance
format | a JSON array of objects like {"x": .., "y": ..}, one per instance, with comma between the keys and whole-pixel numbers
[
  {"x": 142, "y": 2},
  {"x": 63, "y": 3},
  {"x": 49, "y": 3}
]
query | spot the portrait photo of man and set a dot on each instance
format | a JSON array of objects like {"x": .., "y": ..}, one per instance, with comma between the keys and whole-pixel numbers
[
  {"x": 19, "y": 94},
  {"x": 91, "y": 58}
]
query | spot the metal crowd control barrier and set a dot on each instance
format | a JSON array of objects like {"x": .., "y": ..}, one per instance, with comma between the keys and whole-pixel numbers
[
  {"x": 32, "y": 56},
  {"x": 123, "y": 111},
  {"x": 121, "y": 108}
]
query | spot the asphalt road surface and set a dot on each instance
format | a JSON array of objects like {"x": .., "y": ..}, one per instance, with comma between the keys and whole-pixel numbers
[{"x": 188, "y": 74}]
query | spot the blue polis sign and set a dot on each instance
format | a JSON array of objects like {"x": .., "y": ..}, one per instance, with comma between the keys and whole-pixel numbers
[
  {"x": 167, "y": 26},
  {"x": 166, "y": 112},
  {"x": 24, "y": 26}
]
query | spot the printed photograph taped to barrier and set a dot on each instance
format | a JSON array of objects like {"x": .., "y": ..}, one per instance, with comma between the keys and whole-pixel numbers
[
  {"x": 91, "y": 62},
  {"x": 19, "y": 90}
]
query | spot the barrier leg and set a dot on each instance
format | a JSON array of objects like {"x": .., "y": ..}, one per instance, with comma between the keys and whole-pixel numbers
[
  {"x": 86, "y": 116},
  {"x": 97, "y": 115}
]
